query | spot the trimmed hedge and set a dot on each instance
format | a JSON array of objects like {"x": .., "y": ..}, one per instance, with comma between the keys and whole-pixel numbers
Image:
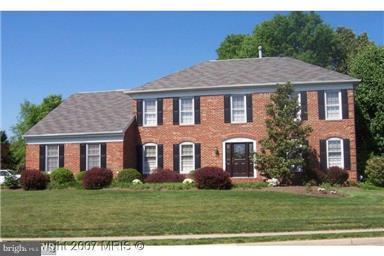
[
  {"x": 212, "y": 178},
  {"x": 375, "y": 170},
  {"x": 62, "y": 176},
  {"x": 128, "y": 175},
  {"x": 166, "y": 175},
  {"x": 33, "y": 180},
  {"x": 97, "y": 178}
]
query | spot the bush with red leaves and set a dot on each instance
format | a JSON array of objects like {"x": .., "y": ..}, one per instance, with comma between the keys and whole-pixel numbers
[
  {"x": 33, "y": 180},
  {"x": 212, "y": 178},
  {"x": 97, "y": 178},
  {"x": 166, "y": 175},
  {"x": 336, "y": 175}
]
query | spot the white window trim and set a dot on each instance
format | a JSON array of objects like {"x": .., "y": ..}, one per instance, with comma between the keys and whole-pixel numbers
[
  {"x": 86, "y": 154},
  {"x": 46, "y": 157},
  {"x": 239, "y": 140},
  {"x": 298, "y": 117},
  {"x": 341, "y": 148},
  {"x": 340, "y": 105},
  {"x": 245, "y": 110},
  {"x": 193, "y": 153},
  {"x": 144, "y": 113},
  {"x": 193, "y": 111},
  {"x": 143, "y": 157}
]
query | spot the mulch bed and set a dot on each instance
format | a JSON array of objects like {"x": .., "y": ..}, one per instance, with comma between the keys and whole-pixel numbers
[{"x": 303, "y": 190}]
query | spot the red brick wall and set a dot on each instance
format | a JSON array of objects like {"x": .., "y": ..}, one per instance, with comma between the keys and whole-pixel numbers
[
  {"x": 213, "y": 131},
  {"x": 72, "y": 156},
  {"x": 32, "y": 156}
]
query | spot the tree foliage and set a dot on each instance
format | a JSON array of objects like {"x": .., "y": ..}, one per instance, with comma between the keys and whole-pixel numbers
[
  {"x": 231, "y": 46},
  {"x": 350, "y": 45},
  {"x": 7, "y": 161},
  {"x": 300, "y": 35},
  {"x": 284, "y": 147},
  {"x": 29, "y": 115},
  {"x": 368, "y": 65}
]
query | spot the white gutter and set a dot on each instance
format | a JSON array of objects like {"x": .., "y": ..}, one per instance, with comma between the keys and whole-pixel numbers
[
  {"x": 239, "y": 85},
  {"x": 72, "y": 134}
]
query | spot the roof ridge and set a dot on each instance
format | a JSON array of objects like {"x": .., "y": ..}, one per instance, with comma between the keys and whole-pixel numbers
[
  {"x": 251, "y": 58},
  {"x": 103, "y": 91}
]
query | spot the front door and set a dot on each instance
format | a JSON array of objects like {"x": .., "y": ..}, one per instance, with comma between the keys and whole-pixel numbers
[{"x": 239, "y": 159}]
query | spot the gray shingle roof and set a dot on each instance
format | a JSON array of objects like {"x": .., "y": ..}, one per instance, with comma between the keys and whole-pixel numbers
[
  {"x": 245, "y": 72},
  {"x": 99, "y": 112}
]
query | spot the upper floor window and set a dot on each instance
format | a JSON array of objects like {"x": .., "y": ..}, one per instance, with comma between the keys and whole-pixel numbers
[
  {"x": 150, "y": 112},
  {"x": 52, "y": 157},
  {"x": 187, "y": 157},
  {"x": 149, "y": 158},
  {"x": 335, "y": 153},
  {"x": 238, "y": 109},
  {"x": 187, "y": 114},
  {"x": 93, "y": 156},
  {"x": 333, "y": 105}
]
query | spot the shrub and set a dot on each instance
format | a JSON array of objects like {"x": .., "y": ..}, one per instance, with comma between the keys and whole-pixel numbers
[
  {"x": 128, "y": 175},
  {"x": 33, "y": 180},
  {"x": 166, "y": 175},
  {"x": 97, "y": 178},
  {"x": 62, "y": 176},
  {"x": 212, "y": 178},
  {"x": 375, "y": 170},
  {"x": 80, "y": 176},
  {"x": 368, "y": 186},
  {"x": 11, "y": 182},
  {"x": 336, "y": 175}
]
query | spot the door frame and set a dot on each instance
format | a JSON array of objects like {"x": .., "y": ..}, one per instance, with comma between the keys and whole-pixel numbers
[{"x": 239, "y": 140}]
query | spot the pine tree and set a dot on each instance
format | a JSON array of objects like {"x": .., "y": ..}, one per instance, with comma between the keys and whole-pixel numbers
[{"x": 284, "y": 148}]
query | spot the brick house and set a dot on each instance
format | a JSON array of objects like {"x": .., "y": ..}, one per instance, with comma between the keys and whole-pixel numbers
[{"x": 211, "y": 114}]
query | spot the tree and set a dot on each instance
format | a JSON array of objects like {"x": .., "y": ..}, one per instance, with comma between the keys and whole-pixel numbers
[
  {"x": 368, "y": 65},
  {"x": 350, "y": 45},
  {"x": 300, "y": 35},
  {"x": 30, "y": 114},
  {"x": 231, "y": 46},
  {"x": 7, "y": 161},
  {"x": 284, "y": 147}
]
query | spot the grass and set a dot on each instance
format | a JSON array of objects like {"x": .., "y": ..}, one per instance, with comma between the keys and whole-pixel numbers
[{"x": 114, "y": 212}]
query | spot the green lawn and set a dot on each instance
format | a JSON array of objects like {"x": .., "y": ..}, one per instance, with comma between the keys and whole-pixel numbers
[{"x": 73, "y": 212}]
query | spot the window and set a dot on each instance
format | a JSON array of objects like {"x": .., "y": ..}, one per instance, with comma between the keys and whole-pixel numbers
[
  {"x": 238, "y": 109},
  {"x": 149, "y": 157},
  {"x": 335, "y": 153},
  {"x": 52, "y": 157},
  {"x": 187, "y": 111},
  {"x": 333, "y": 105},
  {"x": 93, "y": 156},
  {"x": 187, "y": 157},
  {"x": 150, "y": 112}
]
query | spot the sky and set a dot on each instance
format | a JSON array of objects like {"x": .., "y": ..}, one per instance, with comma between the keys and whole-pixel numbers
[{"x": 45, "y": 53}]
